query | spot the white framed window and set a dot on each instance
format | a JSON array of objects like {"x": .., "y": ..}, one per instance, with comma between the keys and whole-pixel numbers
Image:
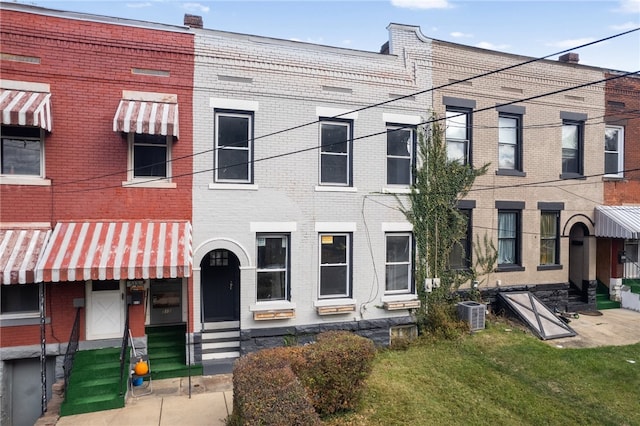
[
  {"x": 458, "y": 134},
  {"x": 614, "y": 151},
  {"x": 22, "y": 300},
  {"x": 572, "y": 147},
  {"x": 509, "y": 142},
  {"x": 335, "y": 152},
  {"x": 398, "y": 263},
  {"x": 22, "y": 151},
  {"x": 233, "y": 147},
  {"x": 149, "y": 156},
  {"x": 272, "y": 267},
  {"x": 335, "y": 265},
  {"x": 400, "y": 155}
]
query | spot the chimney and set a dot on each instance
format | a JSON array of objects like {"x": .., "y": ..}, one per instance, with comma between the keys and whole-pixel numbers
[
  {"x": 570, "y": 58},
  {"x": 192, "y": 21}
]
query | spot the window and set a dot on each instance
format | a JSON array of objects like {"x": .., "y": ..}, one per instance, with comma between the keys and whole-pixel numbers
[
  {"x": 399, "y": 257},
  {"x": 508, "y": 238},
  {"x": 549, "y": 238},
  {"x": 400, "y": 155},
  {"x": 460, "y": 256},
  {"x": 509, "y": 142},
  {"x": 458, "y": 134},
  {"x": 335, "y": 152},
  {"x": 273, "y": 267},
  {"x": 22, "y": 151},
  {"x": 151, "y": 155},
  {"x": 335, "y": 271},
  {"x": 613, "y": 151},
  {"x": 572, "y": 142},
  {"x": 233, "y": 147},
  {"x": 19, "y": 299}
]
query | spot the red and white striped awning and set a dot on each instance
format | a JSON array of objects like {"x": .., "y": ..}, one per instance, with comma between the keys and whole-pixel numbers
[
  {"x": 97, "y": 250},
  {"x": 152, "y": 118},
  {"x": 22, "y": 108},
  {"x": 20, "y": 249}
]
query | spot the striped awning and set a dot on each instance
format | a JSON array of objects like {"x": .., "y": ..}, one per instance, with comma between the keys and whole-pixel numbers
[
  {"x": 618, "y": 222},
  {"x": 97, "y": 250},
  {"x": 23, "y": 108},
  {"x": 20, "y": 249},
  {"x": 152, "y": 118}
]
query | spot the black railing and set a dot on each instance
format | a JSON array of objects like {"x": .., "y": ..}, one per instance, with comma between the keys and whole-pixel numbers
[
  {"x": 124, "y": 347},
  {"x": 72, "y": 348}
]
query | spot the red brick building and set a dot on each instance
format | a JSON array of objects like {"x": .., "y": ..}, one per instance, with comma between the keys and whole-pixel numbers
[
  {"x": 618, "y": 221},
  {"x": 95, "y": 183}
]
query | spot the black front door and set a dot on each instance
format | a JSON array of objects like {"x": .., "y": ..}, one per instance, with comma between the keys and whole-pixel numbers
[{"x": 220, "y": 286}]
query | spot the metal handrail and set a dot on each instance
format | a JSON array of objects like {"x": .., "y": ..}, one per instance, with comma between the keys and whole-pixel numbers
[
  {"x": 124, "y": 348},
  {"x": 631, "y": 269},
  {"x": 72, "y": 348}
]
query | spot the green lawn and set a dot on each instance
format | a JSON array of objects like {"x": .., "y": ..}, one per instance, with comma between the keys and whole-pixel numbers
[{"x": 501, "y": 376}]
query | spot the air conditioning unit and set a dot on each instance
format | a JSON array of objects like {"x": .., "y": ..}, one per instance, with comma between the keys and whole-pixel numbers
[{"x": 472, "y": 313}]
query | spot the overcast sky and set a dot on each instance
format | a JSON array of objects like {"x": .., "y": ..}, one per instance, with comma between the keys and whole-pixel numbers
[{"x": 531, "y": 28}]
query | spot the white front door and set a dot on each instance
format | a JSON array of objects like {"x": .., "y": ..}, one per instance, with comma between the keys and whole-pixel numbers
[{"x": 105, "y": 310}]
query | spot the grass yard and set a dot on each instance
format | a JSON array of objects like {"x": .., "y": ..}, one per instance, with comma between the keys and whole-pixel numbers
[{"x": 501, "y": 377}]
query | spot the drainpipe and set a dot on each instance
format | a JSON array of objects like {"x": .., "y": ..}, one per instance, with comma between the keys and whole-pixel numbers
[
  {"x": 43, "y": 349},
  {"x": 189, "y": 335}
]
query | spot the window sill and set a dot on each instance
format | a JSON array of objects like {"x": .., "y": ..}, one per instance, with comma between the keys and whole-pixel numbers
[
  {"x": 24, "y": 180},
  {"x": 276, "y": 310},
  {"x": 400, "y": 302},
  {"x": 572, "y": 176},
  {"x": 614, "y": 178},
  {"x": 143, "y": 183},
  {"x": 17, "y": 320},
  {"x": 320, "y": 188},
  {"x": 549, "y": 267},
  {"x": 234, "y": 186},
  {"x": 509, "y": 172},
  {"x": 335, "y": 306},
  {"x": 509, "y": 268},
  {"x": 396, "y": 190}
]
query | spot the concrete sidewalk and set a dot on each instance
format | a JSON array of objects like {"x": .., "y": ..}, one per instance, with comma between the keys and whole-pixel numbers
[{"x": 169, "y": 404}]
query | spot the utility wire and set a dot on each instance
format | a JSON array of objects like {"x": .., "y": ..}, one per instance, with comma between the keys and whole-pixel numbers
[{"x": 375, "y": 105}]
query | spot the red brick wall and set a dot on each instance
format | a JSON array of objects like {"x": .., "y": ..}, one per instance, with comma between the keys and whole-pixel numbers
[
  {"x": 623, "y": 103},
  {"x": 87, "y": 65}
]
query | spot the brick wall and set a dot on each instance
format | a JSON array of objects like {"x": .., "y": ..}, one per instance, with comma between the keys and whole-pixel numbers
[{"x": 622, "y": 106}]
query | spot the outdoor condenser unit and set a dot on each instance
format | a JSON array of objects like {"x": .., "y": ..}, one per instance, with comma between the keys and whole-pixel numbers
[{"x": 472, "y": 313}]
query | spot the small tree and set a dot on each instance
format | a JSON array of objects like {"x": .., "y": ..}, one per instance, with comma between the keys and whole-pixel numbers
[{"x": 437, "y": 224}]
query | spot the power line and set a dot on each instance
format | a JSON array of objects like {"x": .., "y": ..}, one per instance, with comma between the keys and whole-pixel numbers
[{"x": 375, "y": 105}]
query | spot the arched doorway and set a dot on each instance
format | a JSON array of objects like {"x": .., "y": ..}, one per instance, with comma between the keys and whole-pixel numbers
[
  {"x": 578, "y": 255},
  {"x": 220, "y": 286}
]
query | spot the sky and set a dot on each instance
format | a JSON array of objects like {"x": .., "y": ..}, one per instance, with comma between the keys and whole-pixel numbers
[{"x": 530, "y": 28}]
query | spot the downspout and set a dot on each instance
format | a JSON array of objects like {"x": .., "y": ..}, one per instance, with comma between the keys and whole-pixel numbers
[
  {"x": 189, "y": 335},
  {"x": 43, "y": 349}
]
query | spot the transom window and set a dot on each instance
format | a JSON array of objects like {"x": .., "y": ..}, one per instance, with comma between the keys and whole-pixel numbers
[
  {"x": 572, "y": 142},
  {"x": 398, "y": 271},
  {"x": 335, "y": 273},
  {"x": 458, "y": 134},
  {"x": 233, "y": 147},
  {"x": 22, "y": 151},
  {"x": 508, "y": 237},
  {"x": 613, "y": 151},
  {"x": 335, "y": 152},
  {"x": 509, "y": 142},
  {"x": 400, "y": 155},
  {"x": 273, "y": 267},
  {"x": 20, "y": 299},
  {"x": 549, "y": 238},
  {"x": 219, "y": 258},
  {"x": 151, "y": 155}
]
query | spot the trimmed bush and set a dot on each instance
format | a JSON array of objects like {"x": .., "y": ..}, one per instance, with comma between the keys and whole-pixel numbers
[
  {"x": 334, "y": 370},
  {"x": 267, "y": 392}
]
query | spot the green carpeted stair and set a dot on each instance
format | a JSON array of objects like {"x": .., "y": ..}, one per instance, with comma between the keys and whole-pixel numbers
[
  {"x": 94, "y": 384},
  {"x": 602, "y": 298},
  {"x": 166, "y": 350},
  {"x": 633, "y": 284}
]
